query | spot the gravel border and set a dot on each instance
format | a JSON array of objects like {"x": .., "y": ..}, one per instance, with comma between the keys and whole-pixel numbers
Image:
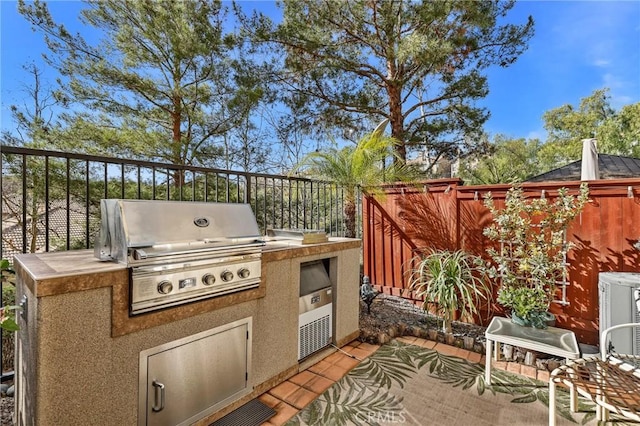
[
  {"x": 393, "y": 316},
  {"x": 7, "y": 407}
]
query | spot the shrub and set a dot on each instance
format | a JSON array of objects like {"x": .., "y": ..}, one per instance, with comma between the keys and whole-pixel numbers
[
  {"x": 531, "y": 258},
  {"x": 451, "y": 281}
]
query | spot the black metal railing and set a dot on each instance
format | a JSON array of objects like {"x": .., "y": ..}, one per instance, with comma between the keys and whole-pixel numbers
[{"x": 50, "y": 200}]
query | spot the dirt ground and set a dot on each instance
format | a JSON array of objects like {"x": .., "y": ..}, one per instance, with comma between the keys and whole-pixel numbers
[
  {"x": 6, "y": 411},
  {"x": 396, "y": 316}
]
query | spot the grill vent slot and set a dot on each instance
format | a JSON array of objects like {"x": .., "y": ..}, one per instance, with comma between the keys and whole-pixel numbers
[{"x": 315, "y": 336}]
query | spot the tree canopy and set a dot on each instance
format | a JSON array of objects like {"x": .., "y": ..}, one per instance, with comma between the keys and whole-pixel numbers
[
  {"x": 191, "y": 83},
  {"x": 617, "y": 132},
  {"x": 509, "y": 161},
  {"x": 353, "y": 63},
  {"x": 161, "y": 83},
  {"x": 620, "y": 134},
  {"x": 35, "y": 117}
]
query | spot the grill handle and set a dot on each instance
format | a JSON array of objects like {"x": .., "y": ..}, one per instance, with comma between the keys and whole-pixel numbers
[{"x": 158, "y": 389}]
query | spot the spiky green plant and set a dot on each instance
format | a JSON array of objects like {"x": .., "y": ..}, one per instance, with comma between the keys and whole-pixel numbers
[{"x": 451, "y": 281}]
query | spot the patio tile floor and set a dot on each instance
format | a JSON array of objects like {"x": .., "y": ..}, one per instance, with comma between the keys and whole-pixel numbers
[
  {"x": 301, "y": 378},
  {"x": 298, "y": 391},
  {"x": 318, "y": 384},
  {"x": 300, "y": 398}
]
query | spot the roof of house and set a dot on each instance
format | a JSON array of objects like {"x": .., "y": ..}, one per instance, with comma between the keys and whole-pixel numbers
[
  {"x": 610, "y": 166},
  {"x": 57, "y": 220}
]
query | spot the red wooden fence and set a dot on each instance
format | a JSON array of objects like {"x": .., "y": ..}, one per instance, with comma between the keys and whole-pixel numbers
[{"x": 443, "y": 214}]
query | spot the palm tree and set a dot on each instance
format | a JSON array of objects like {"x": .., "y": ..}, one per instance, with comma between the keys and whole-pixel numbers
[{"x": 352, "y": 167}]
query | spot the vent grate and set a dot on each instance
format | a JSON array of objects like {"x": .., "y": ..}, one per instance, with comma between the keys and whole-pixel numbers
[
  {"x": 253, "y": 413},
  {"x": 315, "y": 336}
]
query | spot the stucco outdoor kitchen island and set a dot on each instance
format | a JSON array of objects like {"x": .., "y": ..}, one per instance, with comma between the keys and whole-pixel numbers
[{"x": 78, "y": 350}]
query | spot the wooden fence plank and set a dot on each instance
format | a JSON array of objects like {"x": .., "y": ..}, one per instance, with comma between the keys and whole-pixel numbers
[{"x": 442, "y": 214}]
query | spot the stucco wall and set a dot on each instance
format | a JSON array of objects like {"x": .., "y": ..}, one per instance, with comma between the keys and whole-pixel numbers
[{"x": 72, "y": 371}]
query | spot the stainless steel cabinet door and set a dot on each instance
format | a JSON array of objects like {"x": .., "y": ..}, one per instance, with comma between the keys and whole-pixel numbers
[{"x": 193, "y": 377}]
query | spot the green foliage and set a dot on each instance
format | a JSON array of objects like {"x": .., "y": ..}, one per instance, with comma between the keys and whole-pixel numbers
[
  {"x": 160, "y": 84},
  {"x": 531, "y": 256},
  {"x": 515, "y": 160},
  {"x": 569, "y": 124},
  {"x": 353, "y": 167},
  {"x": 510, "y": 161},
  {"x": 357, "y": 165},
  {"x": 620, "y": 134},
  {"x": 527, "y": 303},
  {"x": 617, "y": 132},
  {"x": 7, "y": 312},
  {"x": 452, "y": 281},
  {"x": 45, "y": 179},
  {"x": 353, "y": 63}
]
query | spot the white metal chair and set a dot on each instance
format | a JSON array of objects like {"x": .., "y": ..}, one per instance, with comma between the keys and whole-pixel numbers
[{"x": 611, "y": 381}]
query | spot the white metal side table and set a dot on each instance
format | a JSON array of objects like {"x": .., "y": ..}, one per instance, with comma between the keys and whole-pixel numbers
[{"x": 551, "y": 340}]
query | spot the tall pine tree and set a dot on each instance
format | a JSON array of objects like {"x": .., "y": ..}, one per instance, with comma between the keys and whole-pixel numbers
[
  {"x": 161, "y": 83},
  {"x": 353, "y": 63}
]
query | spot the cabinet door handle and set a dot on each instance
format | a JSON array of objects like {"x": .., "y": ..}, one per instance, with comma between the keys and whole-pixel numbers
[{"x": 158, "y": 389}]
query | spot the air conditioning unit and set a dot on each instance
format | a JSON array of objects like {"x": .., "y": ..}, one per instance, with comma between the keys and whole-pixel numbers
[{"x": 619, "y": 304}]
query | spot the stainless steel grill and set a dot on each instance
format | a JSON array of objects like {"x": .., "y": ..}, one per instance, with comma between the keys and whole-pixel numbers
[{"x": 180, "y": 252}]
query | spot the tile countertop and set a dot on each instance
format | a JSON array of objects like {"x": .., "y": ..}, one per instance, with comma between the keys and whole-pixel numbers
[
  {"x": 280, "y": 249},
  {"x": 67, "y": 271},
  {"x": 48, "y": 274},
  {"x": 43, "y": 266},
  {"x": 59, "y": 273}
]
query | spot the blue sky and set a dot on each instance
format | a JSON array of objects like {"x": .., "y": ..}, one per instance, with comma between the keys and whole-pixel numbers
[{"x": 579, "y": 46}]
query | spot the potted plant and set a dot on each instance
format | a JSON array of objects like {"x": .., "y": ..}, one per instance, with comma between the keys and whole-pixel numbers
[
  {"x": 529, "y": 305},
  {"x": 530, "y": 253},
  {"x": 452, "y": 281}
]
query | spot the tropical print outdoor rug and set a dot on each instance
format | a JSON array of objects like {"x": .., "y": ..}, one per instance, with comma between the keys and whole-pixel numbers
[{"x": 412, "y": 385}]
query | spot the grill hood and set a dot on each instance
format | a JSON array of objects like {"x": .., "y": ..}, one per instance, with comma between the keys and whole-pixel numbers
[{"x": 133, "y": 231}]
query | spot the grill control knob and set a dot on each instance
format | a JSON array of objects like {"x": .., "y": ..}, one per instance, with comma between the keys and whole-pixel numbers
[
  {"x": 243, "y": 273},
  {"x": 165, "y": 287},
  {"x": 226, "y": 276},
  {"x": 208, "y": 279}
]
